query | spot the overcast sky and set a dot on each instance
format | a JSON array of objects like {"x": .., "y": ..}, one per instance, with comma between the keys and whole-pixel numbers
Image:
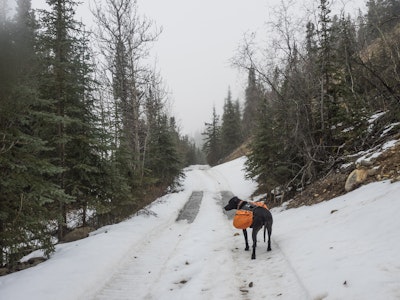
[
  {"x": 193, "y": 53},
  {"x": 199, "y": 39}
]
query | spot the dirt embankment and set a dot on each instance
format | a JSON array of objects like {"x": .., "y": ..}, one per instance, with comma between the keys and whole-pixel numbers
[{"x": 385, "y": 166}]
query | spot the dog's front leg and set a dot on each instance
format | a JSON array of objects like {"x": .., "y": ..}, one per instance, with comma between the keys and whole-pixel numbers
[{"x": 246, "y": 240}]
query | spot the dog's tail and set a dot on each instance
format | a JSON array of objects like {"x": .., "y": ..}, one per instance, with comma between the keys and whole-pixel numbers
[{"x": 265, "y": 229}]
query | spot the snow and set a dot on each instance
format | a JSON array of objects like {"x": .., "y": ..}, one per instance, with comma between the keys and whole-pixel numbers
[
  {"x": 376, "y": 152},
  {"x": 345, "y": 248}
]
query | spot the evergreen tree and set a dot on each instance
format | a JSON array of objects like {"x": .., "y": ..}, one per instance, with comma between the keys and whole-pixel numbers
[
  {"x": 253, "y": 99},
  {"x": 269, "y": 162},
  {"x": 231, "y": 132},
  {"x": 26, "y": 190},
  {"x": 69, "y": 127},
  {"x": 191, "y": 153},
  {"x": 163, "y": 162},
  {"x": 325, "y": 61},
  {"x": 382, "y": 17},
  {"x": 212, "y": 140},
  {"x": 351, "y": 108}
]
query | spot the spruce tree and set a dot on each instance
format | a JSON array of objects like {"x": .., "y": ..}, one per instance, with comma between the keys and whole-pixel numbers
[
  {"x": 66, "y": 86},
  {"x": 262, "y": 159},
  {"x": 325, "y": 61},
  {"x": 231, "y": 132},
  {"x": 212, "y": 140},
  {"x": 163, "y": 162},
  {"x": 253, "y": 99},
  {"x": 26, "y": 188}
]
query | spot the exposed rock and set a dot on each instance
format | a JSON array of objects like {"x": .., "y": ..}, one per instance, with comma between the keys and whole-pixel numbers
[
  {"x": 358, "y": 176},
  {"x": 355, "y": 178}
]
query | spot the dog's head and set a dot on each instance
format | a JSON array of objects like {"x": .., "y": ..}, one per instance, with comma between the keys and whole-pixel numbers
[{"x": 232, "y": 204}]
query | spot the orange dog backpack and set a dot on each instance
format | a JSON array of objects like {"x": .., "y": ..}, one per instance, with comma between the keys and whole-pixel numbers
[{"x": 244, "y": 217}]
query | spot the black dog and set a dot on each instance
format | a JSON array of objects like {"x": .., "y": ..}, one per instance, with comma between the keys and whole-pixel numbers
[{"x": 261, "y": 217}]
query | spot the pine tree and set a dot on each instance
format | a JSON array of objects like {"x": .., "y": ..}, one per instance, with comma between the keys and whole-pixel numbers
[
  {"x": 26, "y": 190},
  {"x": 262, "y": 159},
  {"x": 162, "y": 160},
  {"x": 253, "y": 99},
  {"x": 69, "y": 126},
  {"x": 231, "y": 132},
  {"x": 351, "y": 108},
  {"x": 331, "y": 82},
  {"x": 212, "y": 140},
  {"x": 325, "y": 61},
  {"x": 382, "y": 16}
]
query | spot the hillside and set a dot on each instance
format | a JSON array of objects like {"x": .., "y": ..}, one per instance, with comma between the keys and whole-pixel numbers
[
  {"x": 380, "y": 163},
  {"x": 383, "y": 167}
]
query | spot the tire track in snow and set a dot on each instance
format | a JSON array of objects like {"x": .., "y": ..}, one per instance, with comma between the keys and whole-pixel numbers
[
  {"x": 186, "y": 268},
  {"x": 124, "y": 283},
  {"x": 135, "y": 271},
  {"x": 191, "y": 207},
  {"x": 200, "y": 271}
]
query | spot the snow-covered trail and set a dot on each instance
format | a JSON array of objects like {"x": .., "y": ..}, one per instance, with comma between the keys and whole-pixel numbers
[
  {"x": 345, "y": 248},
  {"x": 155, "y": 268},
  {"x": 149, "y": 262}
]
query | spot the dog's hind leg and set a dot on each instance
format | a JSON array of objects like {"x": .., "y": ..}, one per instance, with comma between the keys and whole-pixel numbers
[
  {"x": 268, "y": 225},
  {"x": 265, "y": 229},
  {"x": 246, "y": 240},
  {"x": 269, "y": 228},
  {"x": 254, "y": 236}
]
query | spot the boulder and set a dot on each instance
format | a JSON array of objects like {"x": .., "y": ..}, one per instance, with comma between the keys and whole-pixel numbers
[{"x": 355, "y": 178}]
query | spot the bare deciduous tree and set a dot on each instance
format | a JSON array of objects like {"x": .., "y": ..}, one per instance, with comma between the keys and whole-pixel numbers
[{"x": 124, "y": 38}]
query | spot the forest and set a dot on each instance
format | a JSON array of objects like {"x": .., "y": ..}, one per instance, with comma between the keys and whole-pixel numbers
[
  {"x": 84, "y": 125},
  {"x": 85, "y": 129},
  {"x": 310, "y": 95}
]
